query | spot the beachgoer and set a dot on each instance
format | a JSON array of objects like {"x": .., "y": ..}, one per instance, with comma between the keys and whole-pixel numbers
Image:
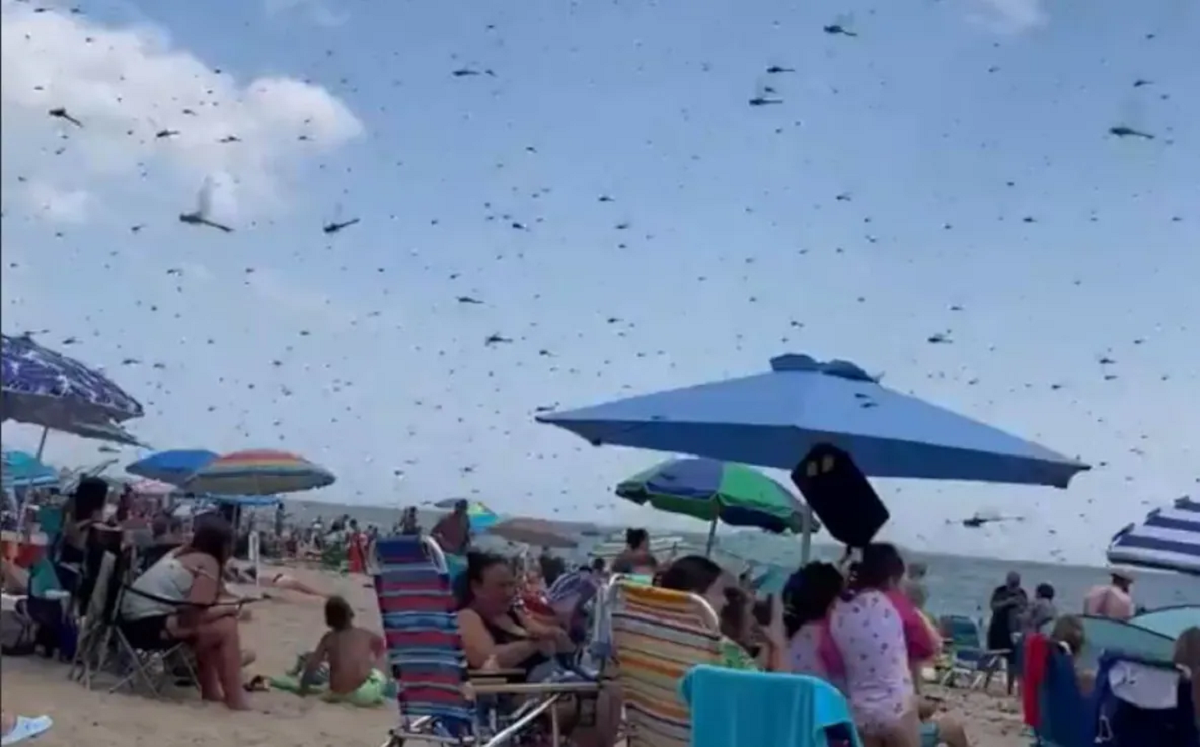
[
  {"x": 875, "y": 642},
  {"x": 1041, "y": 611},
  {"x": 914, "y": 584},
  {"x": 356, "y": 549},
  {"x": 1112, "y": 600},
  {"x": 352, "y": 657},
  {"x": 408, "y": 522},
  {"x": 498, "y": 635},
  {"x": 1008, "y": 603},
  {"x": 188, "y": 581},
  {"x": 84, "y": 509},
  {"x": 636, "y": 553},
  {"x": 808, "y": 596},
  {"x": 15, "y": 579},
  {"x": 1068, "y": 634},
  {"x": 550, "y": 566},
  {"x": 492, "y": 627},
  {"x": 940, "y": 730},
  {"x": 453, "y": 531},
  {"x": 698, "y": 575},
  {"x": 1187, "y": 658},
  {"x": 278, "y": 580}
]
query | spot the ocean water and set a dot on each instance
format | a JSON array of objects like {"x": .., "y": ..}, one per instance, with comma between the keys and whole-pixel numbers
[
  {"x": 956, "y": 584},
  {"x": 963, "y": 585}
]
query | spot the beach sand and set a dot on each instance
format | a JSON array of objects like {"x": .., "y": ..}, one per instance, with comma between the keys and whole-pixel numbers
[{"x": 281, "y": 628}]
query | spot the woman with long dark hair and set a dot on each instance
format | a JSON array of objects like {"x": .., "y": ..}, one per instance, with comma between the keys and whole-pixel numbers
[
  {"x": 179, "y": 599},
  {"x": 808, "y": 597}
]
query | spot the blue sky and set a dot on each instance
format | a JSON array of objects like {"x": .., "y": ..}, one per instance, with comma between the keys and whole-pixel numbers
[{"x": 982, "y": 197}]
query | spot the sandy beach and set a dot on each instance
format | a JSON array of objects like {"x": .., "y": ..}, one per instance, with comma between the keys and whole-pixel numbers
[{"x": 282, "y": 627}]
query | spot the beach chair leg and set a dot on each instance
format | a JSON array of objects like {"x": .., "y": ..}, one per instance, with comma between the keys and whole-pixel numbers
[
  {"x": 139, "y": 664},
  {"x": 555, "y": 736},
  {"x": 82, "y": 651},
  {"x": 514, "y": 729}
]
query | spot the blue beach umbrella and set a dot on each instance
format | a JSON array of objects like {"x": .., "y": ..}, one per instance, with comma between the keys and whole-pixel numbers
[
  {"x": 1167, "y": 539},
  {"x": 173, "y": 466},
  {"x": 46, "y": 388},
  {"x": 22, "y": 470},
  {"x": 775, "y": 419}
]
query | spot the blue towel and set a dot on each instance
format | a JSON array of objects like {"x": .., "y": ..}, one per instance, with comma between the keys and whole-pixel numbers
[
  {"x": 456, "y": 565},
  {"x": 1065, "y": 711},
  {"x": 751, "y": 709}
]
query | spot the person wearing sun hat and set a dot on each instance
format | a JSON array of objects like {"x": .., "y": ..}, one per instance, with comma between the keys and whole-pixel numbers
[{"x": 1112, "y": 600}]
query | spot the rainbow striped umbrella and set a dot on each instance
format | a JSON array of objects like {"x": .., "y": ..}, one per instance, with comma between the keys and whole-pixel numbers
[{"x": 258, "y": 472}]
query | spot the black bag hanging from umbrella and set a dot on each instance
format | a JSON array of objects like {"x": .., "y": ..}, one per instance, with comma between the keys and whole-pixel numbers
[{"x": 840, "y": 495}]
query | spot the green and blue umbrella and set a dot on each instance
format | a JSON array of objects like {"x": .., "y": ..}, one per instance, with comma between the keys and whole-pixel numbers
[
  {"x": 715, "y": 491},
  {"x": 481, "y": 517}
]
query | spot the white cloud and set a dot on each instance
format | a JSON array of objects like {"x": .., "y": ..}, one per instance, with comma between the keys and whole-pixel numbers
[
  {"x": 1010, "y": 16},
  {"x": 56, "y": 204},
  {"x": 316, "y": 11},
  {"x": 126, "y": 85}
]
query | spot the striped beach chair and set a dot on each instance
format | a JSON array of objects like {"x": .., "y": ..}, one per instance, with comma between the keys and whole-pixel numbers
[
  {"x": 437, "y": 699},
  {"x": 424, "y": 648},
  {"x": 659, "y": 635}
]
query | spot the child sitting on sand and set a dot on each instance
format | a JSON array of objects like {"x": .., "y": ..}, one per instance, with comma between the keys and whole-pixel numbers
[{"x": 348, "y": 659}]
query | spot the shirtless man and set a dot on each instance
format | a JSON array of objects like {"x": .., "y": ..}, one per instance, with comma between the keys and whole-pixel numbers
[
  {"x": 352, "y": 654},
  {"x": 453, "y": 532}
]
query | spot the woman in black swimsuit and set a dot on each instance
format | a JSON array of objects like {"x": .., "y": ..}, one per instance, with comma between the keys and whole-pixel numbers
[{"x": 497, "y": 635}]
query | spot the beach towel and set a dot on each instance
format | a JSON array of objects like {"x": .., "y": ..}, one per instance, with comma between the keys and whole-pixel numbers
[
  {"x": 751, "y": 709},
  {"x": 375, "y": 691},
  {"x": 1036, "y": 650},
  {"x": 456, "y": 565},
  {"x": 1064, "y": 718}
]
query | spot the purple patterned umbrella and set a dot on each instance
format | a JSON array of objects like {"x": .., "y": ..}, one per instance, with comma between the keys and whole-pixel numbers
[{"x": 46, "y": 388}]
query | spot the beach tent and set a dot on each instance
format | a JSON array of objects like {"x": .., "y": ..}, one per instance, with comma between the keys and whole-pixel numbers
[
  {"x": 1169, "y": 621},
  {"x": 1105, "y": 634},
  {"x": 22, "y": 470}
]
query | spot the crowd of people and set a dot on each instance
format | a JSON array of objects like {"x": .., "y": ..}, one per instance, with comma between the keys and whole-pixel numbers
[{"x": 859, "y": 624}]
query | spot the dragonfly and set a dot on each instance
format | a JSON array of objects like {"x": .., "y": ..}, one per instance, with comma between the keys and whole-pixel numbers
[{"x": 204, "y": 209}]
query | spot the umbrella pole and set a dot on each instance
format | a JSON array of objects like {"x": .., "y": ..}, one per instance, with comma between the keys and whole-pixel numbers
[
  {"x": 42, "y": 443},
  {"x": 712, "y": 538},
  {"x": 806, "y": 532}
]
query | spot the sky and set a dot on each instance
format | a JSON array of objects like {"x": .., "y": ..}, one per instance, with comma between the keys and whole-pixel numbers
[{"x": 597, "y": 179}]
